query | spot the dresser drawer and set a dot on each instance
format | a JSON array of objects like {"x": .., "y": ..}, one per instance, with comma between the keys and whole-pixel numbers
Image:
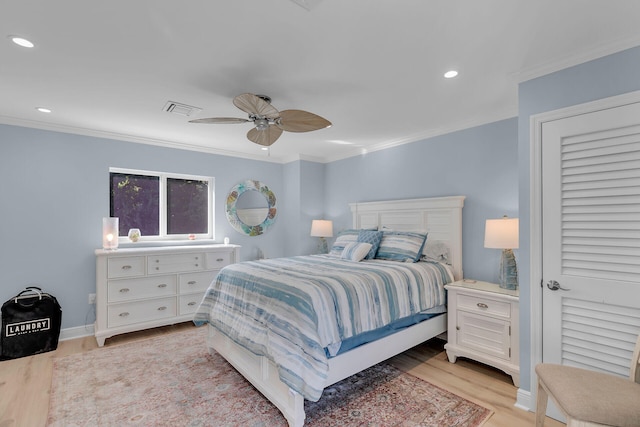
[
  {"x": 141, "y": 311},
  {"x": 187, "y": 304},
  {"x": 125, "y": 267},
  {"x": 195, "y": 282},
  {"x": 141, "y": 288},
  {"x": 478, "y": 304},
  {"x": 217, "y": 260},
  {"x": 175, "y": 263}
]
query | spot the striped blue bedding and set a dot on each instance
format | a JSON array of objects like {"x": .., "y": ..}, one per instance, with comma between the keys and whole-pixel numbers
[{"x": 297, "y": 310}]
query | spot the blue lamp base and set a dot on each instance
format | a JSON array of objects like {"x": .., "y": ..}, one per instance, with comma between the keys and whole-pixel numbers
[
  {"x": 323, "y": 247},
  {"x": 508, "y": 270}
]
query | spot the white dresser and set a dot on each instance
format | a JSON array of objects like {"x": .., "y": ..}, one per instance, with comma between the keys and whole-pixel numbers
[
  {"x": 483, "y": 325},
  {"x": 141, "y": 288}
]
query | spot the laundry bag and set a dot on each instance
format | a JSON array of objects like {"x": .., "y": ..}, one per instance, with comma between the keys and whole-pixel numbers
[{"x": 30, "y": 324}]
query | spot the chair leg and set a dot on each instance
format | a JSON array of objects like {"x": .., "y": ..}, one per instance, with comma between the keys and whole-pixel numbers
[{"x": 541, "y": 405}]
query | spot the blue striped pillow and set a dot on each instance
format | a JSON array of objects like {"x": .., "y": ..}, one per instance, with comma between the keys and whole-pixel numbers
[
  {"x": 401, "y": 246},
  {"x": 344, "y": 237},
  {"x": 355, "y": 251}
]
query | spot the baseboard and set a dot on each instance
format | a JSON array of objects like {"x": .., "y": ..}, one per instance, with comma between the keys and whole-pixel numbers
[
  {"x": 524, "y": 400},
  {"x": 77, "y": 332}
]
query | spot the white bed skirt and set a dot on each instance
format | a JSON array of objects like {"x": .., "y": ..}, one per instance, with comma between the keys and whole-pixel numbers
[{"x": 263, "y": 374}]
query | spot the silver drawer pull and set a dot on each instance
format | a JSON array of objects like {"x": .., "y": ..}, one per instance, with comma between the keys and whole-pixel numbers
[
  {"x": 196, "y": 265},
  {"x": 162, "y": 308},
  {"x": 191, "y": 282},
  {"x": 482, "y": 305},
  {"x": 157, "y": 268},
  {"x": 157, "y": 260},
  {"x": 126, "y": 267},
  {"x": 125, "y": 314},
  {"x": 162, "y": 285},
  {"x": 123, "y": 290},
  {"x": 220, "y": 259},
  {"x": 196, "y": 257},
  {"x": 192, "y": 303}
]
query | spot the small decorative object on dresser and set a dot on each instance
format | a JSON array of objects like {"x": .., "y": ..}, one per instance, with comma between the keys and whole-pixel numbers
[
  {"x": 483, "y": 325},
  {"x": 134, "y": 234},
  {"x": 141, "y": 288}
]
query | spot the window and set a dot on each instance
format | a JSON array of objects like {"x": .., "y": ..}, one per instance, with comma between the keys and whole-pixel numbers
[{"x": 162, "y": 205}]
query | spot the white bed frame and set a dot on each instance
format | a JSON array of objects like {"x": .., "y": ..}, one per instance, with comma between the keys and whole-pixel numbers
[{"x": 441, "y": 217}]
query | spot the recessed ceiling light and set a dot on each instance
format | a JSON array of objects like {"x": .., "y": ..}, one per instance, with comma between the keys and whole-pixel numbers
[
  {"x": 20, "y": 41},
  {"x": 450, "y": 74},
  {"x": 265, "y": 148},
  {"x": 43, "y": 110}
]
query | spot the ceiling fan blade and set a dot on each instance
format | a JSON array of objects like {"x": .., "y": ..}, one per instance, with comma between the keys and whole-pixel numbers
[
  {"x": 253, "y": 104},
  {"x": 301, "y": 121},
  {"x": 220, "y": 120},
  {"x": 265, "y": 137}
]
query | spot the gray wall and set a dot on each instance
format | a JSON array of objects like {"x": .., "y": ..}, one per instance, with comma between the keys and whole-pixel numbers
[
  {"x": 479, "y": 163},
  {"x": 54, "y": 193},
  {"x": 609, "y": 76}
]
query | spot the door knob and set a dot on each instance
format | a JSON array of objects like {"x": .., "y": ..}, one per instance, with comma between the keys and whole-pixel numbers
[{"x": 554, "y": 286}]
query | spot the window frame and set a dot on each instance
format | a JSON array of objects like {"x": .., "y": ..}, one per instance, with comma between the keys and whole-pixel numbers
[{"x": 163, "y": 176}]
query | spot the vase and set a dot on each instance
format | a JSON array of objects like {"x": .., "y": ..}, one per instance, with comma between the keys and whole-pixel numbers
[{"x": 134, "y": 234}]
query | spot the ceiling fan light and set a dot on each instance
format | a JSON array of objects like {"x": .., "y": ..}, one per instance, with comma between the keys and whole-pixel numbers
[{"x": 262, "y": 124}]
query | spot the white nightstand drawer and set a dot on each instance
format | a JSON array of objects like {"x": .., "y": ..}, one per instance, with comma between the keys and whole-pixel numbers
[
  {"x": 188, "y": 304},
  {"x": 195, "y": 282},
  {"x": 218, "y": 259},
  {"x": 141, "y": 288},
  {"x": 141, "y": 311},
  {"x": 485, "y": 334},
  {"x": 125, "y": 267},
  {"x": 175, "y": 263},
  {"x": 483, "y": 305}
]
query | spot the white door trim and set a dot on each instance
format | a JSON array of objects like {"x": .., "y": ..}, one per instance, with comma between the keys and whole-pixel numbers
[{"x": 535, "y": 213}]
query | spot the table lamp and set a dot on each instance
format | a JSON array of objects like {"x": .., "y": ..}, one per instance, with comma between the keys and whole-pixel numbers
[
  {"x": 503, "y": 234},
  {"x": 322, "y": 228}
]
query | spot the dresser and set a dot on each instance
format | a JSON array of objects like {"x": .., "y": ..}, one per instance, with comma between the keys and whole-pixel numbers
[
  {"x": 141, "y": 288},
  {"x": 483, "y": 325}
]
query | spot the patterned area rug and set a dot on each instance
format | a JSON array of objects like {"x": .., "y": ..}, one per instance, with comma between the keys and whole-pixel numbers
[{"x": 172, "y": 380}]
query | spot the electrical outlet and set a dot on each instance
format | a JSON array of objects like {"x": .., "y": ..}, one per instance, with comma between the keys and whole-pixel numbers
[{"x": 92, "y": 298}]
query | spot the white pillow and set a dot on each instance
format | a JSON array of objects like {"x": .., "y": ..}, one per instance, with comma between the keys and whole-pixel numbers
[
  {"x": 436, "y": 251},
  {"x": 355, "y": 251}
]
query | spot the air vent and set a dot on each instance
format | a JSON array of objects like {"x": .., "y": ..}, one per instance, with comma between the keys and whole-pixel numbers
[
  {"x": 307, "y": 4},
  {"x": 181, "y": 109}
]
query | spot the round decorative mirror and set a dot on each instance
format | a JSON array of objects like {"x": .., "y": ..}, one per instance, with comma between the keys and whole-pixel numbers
[{"x": 251, "y": 207}]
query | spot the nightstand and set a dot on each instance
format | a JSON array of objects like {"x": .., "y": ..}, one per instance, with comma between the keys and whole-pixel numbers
[{"x": 483, "y": 325}]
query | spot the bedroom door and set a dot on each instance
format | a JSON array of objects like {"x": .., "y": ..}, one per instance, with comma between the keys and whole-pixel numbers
[{"x": 591, "y": 239}]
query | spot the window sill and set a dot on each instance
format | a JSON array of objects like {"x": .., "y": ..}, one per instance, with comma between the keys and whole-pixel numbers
[{"x": 160, "y": 243}]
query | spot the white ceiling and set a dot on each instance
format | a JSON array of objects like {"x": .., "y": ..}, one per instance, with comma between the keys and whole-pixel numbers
[{"x": 374, "y": 68}]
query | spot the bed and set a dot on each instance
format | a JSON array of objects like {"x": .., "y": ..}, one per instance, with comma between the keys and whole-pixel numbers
[{"x": 279, "y": 344}]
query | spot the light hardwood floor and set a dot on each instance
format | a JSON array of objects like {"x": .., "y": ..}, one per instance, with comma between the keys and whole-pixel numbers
[{"x": 25, "y": 383}]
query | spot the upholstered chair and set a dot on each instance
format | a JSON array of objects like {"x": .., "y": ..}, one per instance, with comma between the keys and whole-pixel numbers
[{"x": 589, "y": 398}]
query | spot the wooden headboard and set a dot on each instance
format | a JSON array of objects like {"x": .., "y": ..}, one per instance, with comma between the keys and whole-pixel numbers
[{"x": 441, "y": 217}]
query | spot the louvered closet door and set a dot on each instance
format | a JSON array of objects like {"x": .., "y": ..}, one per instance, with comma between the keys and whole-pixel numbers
[{"x": 591, "y": 239}]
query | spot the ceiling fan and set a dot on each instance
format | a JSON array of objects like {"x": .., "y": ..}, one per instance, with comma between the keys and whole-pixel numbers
[{"x": 269, "y": 122}]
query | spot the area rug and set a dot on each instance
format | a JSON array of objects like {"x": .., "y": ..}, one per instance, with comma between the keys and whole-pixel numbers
[{"x": 172, "y": 380}]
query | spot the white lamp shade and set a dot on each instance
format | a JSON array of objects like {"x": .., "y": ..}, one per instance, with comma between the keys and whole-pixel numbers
[
  {"x": 321, "y": 228},
  {"x": 502, "y": 233}
]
